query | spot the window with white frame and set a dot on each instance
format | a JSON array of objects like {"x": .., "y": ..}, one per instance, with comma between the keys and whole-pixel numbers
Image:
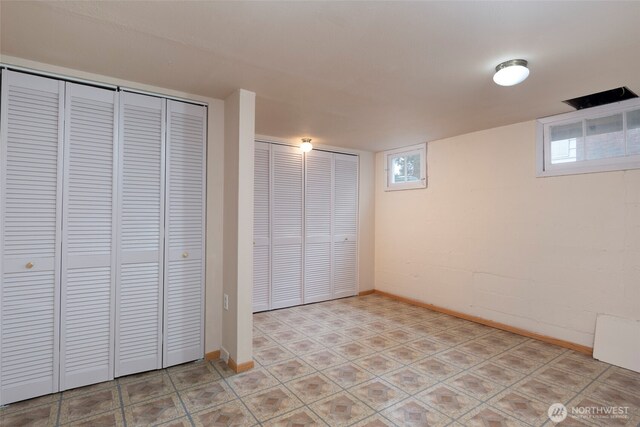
[
  {"x": 406, "y": 168},
  {"x": 599, "y": 139}
]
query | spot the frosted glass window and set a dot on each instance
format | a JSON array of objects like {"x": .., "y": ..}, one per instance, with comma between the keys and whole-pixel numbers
[
  {"x": 598, "y": 139},
  {"x": 633, "y": 132},
  {"x": 605, "y": 137}
]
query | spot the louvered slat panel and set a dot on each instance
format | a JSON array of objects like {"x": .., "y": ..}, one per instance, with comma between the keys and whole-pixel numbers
[
  {"x": 261, "y": 228},
  {"x": 185, "y": 182},
  {"x": 346, "y": 195},
  {"x": 345, "y": 260},
  {"x": 261, "y": 191},
  {"x": 318, "y": 203},
  {"x": 88, "y": 257},
  {"x": 140, "y": 280},
  {"x": 139, "y": 344},
  {"x": 345, "y": 268},
  {"x": 141, "y": 174},
  {"x": 286, "y": 287},
  {"x": 184, "y": 282},
  {"x": 19, "y": 312},
  {"x": 318, "y": 226},
  {"x": 287, "y": 193},
  {"x": 87, "y": 335},
  {"x": 30, "y": 201},
  {"x": 184, "y": 300},
  {"x": 261, "y": 278},
  {"x": 89, "y": 181},
  {"x": 30, "y": 188},
  {"x": 317, "y": 272},
  {"x": 287, "y": 221}
]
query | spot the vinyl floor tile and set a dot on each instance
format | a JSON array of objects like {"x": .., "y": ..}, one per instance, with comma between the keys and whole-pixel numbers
[
  {"x": 365, "y": 362},
  {"x": 341, "y": 409},
  {"x": 313, "y": 387}
]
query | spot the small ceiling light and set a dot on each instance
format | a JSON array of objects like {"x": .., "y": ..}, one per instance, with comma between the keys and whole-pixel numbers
[
  {"x": 306, "y": 145},
  {"x": 511, "y": 72}
]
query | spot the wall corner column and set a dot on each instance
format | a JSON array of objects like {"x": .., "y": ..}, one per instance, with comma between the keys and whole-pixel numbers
[{"x": 239, "y": 135}]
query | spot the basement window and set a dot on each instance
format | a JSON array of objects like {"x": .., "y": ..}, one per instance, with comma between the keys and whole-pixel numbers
[
  {"x": 406, "y": 168},
  {"x": 599, "y": 139}
]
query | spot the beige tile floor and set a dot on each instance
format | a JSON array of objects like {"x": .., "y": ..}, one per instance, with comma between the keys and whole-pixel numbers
[{"x": 363, "y": 361}]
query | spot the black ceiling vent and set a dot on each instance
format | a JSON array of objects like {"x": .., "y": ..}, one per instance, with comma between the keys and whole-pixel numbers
[{"x": 601, "y": 98}]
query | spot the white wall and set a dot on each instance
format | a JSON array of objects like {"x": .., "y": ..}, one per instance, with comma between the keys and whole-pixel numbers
[
  {"x": 239, "y": 133},
  {"x": 215, "y": 176},
  {"x": 214, "y": 249},
  {"x": 366, "y": 221},
  {"x": 488, "y": 238}
]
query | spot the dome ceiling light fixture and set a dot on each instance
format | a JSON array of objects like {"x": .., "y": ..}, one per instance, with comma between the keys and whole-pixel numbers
[
  {"x": 511, "y": 72},
  {"x": 306, "y": 145}
]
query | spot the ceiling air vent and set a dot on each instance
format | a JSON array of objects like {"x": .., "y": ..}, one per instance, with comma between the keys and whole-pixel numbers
[{"x": 601, "y": 98}]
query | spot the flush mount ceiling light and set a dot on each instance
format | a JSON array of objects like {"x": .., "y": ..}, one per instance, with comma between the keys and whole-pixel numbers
[
  {"x": 306, "y": 145},
  {"x": 511, "y": 72}
]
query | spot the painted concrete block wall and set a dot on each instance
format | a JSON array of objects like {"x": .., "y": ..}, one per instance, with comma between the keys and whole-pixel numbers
[{"x": 488, "y": 238}]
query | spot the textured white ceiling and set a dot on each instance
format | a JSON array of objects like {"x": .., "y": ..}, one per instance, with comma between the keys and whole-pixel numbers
[{"x": 367, "y": 75}]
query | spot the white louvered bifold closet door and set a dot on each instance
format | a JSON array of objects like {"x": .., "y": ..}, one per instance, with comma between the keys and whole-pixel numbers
[
  {"x": 318, "y": 226},
  {"x": 139, "y": 282},
  {"x": 30, "y": 211},
  {"x": 88, "y": 249},
  {"x": 261, "y": 229},
  {"x": 184, "y": 235},
  {"x": 345, "y": 228},
  {"x": 287, "y": 222}
]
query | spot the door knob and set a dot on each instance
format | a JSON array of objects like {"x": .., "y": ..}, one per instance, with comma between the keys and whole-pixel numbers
[
  {"x": 185, "y": 254},
  {"x": 29, "y": 265}
]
